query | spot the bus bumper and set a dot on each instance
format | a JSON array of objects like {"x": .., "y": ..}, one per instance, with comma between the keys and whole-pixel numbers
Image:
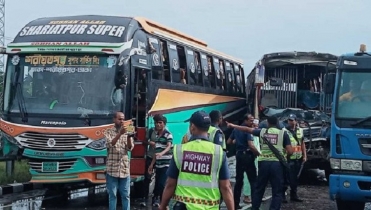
[
  {"x": 94, "y": 177},
  {"x": 350, "y": 187}
]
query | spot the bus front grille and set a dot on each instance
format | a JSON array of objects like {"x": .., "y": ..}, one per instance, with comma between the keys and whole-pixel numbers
[
  {"x": 315, "y": 131},
  {"x": 53, "y": 142},
  {"x": 59, "y": 165}
]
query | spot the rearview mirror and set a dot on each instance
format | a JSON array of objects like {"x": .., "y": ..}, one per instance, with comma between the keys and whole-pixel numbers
[
  {"x": 2, "y": 50},
  {"x": 276, "y": 82},
  {"x": 329, "y": 84}
]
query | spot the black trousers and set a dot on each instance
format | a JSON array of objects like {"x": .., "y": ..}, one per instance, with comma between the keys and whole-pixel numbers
[
  {"x": 292, "y": 178},
  {"x": 147, "y": 179},
  {"x": 244, "y": 164}
]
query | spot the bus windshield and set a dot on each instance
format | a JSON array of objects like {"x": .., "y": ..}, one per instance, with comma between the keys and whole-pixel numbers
[
  {"x": 61, "y": 84},
  {"x": 354, "y": 95}
]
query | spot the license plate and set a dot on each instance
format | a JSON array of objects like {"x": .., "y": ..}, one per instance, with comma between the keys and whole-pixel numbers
[{"x": 50, "y": 167}]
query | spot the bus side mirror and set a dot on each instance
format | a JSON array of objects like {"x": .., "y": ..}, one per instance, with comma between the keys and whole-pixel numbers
[
  {"x": 3, "y": 50},
  {"x": 329, "y": 85},
  {"x": 275, "y": 82}
]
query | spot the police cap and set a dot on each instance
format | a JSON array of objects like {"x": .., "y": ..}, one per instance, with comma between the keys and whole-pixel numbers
[
  {"x": 292, "y": 117},
  {"x": 200, "y": 119}
]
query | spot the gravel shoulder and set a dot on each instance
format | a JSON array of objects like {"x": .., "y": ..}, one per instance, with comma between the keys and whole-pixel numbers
[{"x": 315, "y": 198}]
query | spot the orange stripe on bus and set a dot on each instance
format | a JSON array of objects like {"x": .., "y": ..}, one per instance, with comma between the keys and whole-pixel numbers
[{"x": 92, "y": 132}]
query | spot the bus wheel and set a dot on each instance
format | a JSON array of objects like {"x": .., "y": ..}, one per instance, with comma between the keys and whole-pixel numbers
[{"x": 347, "y": 205}]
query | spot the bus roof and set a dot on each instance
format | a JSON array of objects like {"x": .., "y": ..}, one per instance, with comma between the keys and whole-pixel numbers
[
  {"x": 95, "y": 28},
  {"x": 160, "y": 30},
  {"x": 80, "y": 28}
]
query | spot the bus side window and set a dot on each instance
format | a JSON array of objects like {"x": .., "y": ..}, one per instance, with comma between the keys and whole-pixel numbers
[
  {"x": 165, "y": 60},
  {"x": 199, "y": 73},
  {"x": 218, "y": 75},
  {"x": 205, "y": 70},
  {"x": 222, "y": 72},
  {"x": 157, "y": 68},
  {"x": 238, "y": 78},
  {"x": 182, "y": 64},
  {"x": 229, "y": 76},
  {"x": 191, "y": 70},
  {"x": 233, "y": 79},
  {"x": 243, "y": 85},
  {"x": 212, "y": 76},
  {"x": 174, "y": 62}
]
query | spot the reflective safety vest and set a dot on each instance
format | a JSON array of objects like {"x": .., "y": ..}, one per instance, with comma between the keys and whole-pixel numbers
[
  {"x": 212, "y": 132},
  {"x": 199, "y": 163},
  {"x": 298, "y": 153},
  {"x": 275, "y": 136}
]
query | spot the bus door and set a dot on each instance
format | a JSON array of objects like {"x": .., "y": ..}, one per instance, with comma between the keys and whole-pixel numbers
[{"x": 140, "y": 96}]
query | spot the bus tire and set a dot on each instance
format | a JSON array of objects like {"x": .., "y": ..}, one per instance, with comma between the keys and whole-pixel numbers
[{"x": 349, "y": 205}]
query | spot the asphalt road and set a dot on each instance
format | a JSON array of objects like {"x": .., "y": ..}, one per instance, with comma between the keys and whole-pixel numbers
[{"x": 315, "y": 198}]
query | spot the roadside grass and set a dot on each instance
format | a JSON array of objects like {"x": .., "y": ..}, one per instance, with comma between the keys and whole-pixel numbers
[{"x": 21, "y": 173}]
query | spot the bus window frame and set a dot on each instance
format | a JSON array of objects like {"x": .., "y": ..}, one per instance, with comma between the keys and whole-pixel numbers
[
  {"x": 237, "y": 73},
  {"x": 205, "y": 70},
  {"x": 243, "y": 81},
  {"x": 233, "y": 77},
  {"x": 229, "y": 84},
  {"x": 200, "y": 75},
  {"x": 191, "y": 64},
  {"x": 159, "y": 69},
  {"x": 173, "y": 55},
  {"x": 218, "y": 81},
  {"x": 212, "y": 77}
]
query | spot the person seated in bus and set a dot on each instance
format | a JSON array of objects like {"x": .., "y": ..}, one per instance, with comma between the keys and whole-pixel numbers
[
  {"x": 183, "y": 76},
  {"x": 364, "y": 92},
  {"x": 354, "y": 88}
]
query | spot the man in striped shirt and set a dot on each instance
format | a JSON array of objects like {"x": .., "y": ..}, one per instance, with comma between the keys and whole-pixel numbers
[{"x": 162, "y": 157}]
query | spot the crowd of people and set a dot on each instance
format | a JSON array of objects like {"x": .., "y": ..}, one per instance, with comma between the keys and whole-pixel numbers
[{"x": 195, "y": 173}]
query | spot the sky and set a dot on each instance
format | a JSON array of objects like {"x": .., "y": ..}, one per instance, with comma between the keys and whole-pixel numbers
[{"x": 244, "y": 29}]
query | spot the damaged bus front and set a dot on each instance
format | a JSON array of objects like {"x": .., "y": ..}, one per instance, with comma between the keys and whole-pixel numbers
[{"x": 291, "y": 82}]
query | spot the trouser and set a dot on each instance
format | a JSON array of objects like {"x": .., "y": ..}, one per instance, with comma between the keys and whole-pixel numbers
[
  {"x": 246, "y": 183},
  {"x": 123, "y": 185},
  {"x": 147, "y": 179},
  {"x": 245, "y": 163},
  {"x": 271, "y": 171},
  {"x": 160, "y": 182},
  {"x": 293, "y": 178}
]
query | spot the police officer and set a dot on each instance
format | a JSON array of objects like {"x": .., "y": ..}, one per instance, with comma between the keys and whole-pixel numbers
[
  {"x": 246, "y": 154},
  {"x": 198, "y": 171},
  {"x": 216, "y": 135},
  {"x": 296, "y": 159},
  {"x": 270, "y": 169}
]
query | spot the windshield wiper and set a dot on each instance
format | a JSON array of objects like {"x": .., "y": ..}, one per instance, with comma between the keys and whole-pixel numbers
[
  {"x": 21, "y": 103},
  {"x": 361, "y": 121},
  {"x": 20, "y": 99}
]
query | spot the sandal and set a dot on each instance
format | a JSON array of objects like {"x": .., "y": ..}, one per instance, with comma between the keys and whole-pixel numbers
[{"x": 247, "y": 199}]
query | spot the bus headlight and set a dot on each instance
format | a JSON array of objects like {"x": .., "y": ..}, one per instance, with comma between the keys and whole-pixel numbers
[
  {"x": 346, "y": 164},
  {"x": 335, "y": 163},
  {"x": 98, "y": 144},
  {"x": 352, "y": 165}
]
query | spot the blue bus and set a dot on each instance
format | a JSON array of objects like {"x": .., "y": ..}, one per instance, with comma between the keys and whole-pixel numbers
[{"x": 350, "y": 153}]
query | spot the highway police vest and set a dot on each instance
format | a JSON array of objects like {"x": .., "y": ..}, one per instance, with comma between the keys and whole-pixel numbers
[
  {"x": 212, "y": 132},
  {"x": 275, "y": 136},
  {"x": 296, "y": 144},
  {"x": 199, "y": 163}
]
